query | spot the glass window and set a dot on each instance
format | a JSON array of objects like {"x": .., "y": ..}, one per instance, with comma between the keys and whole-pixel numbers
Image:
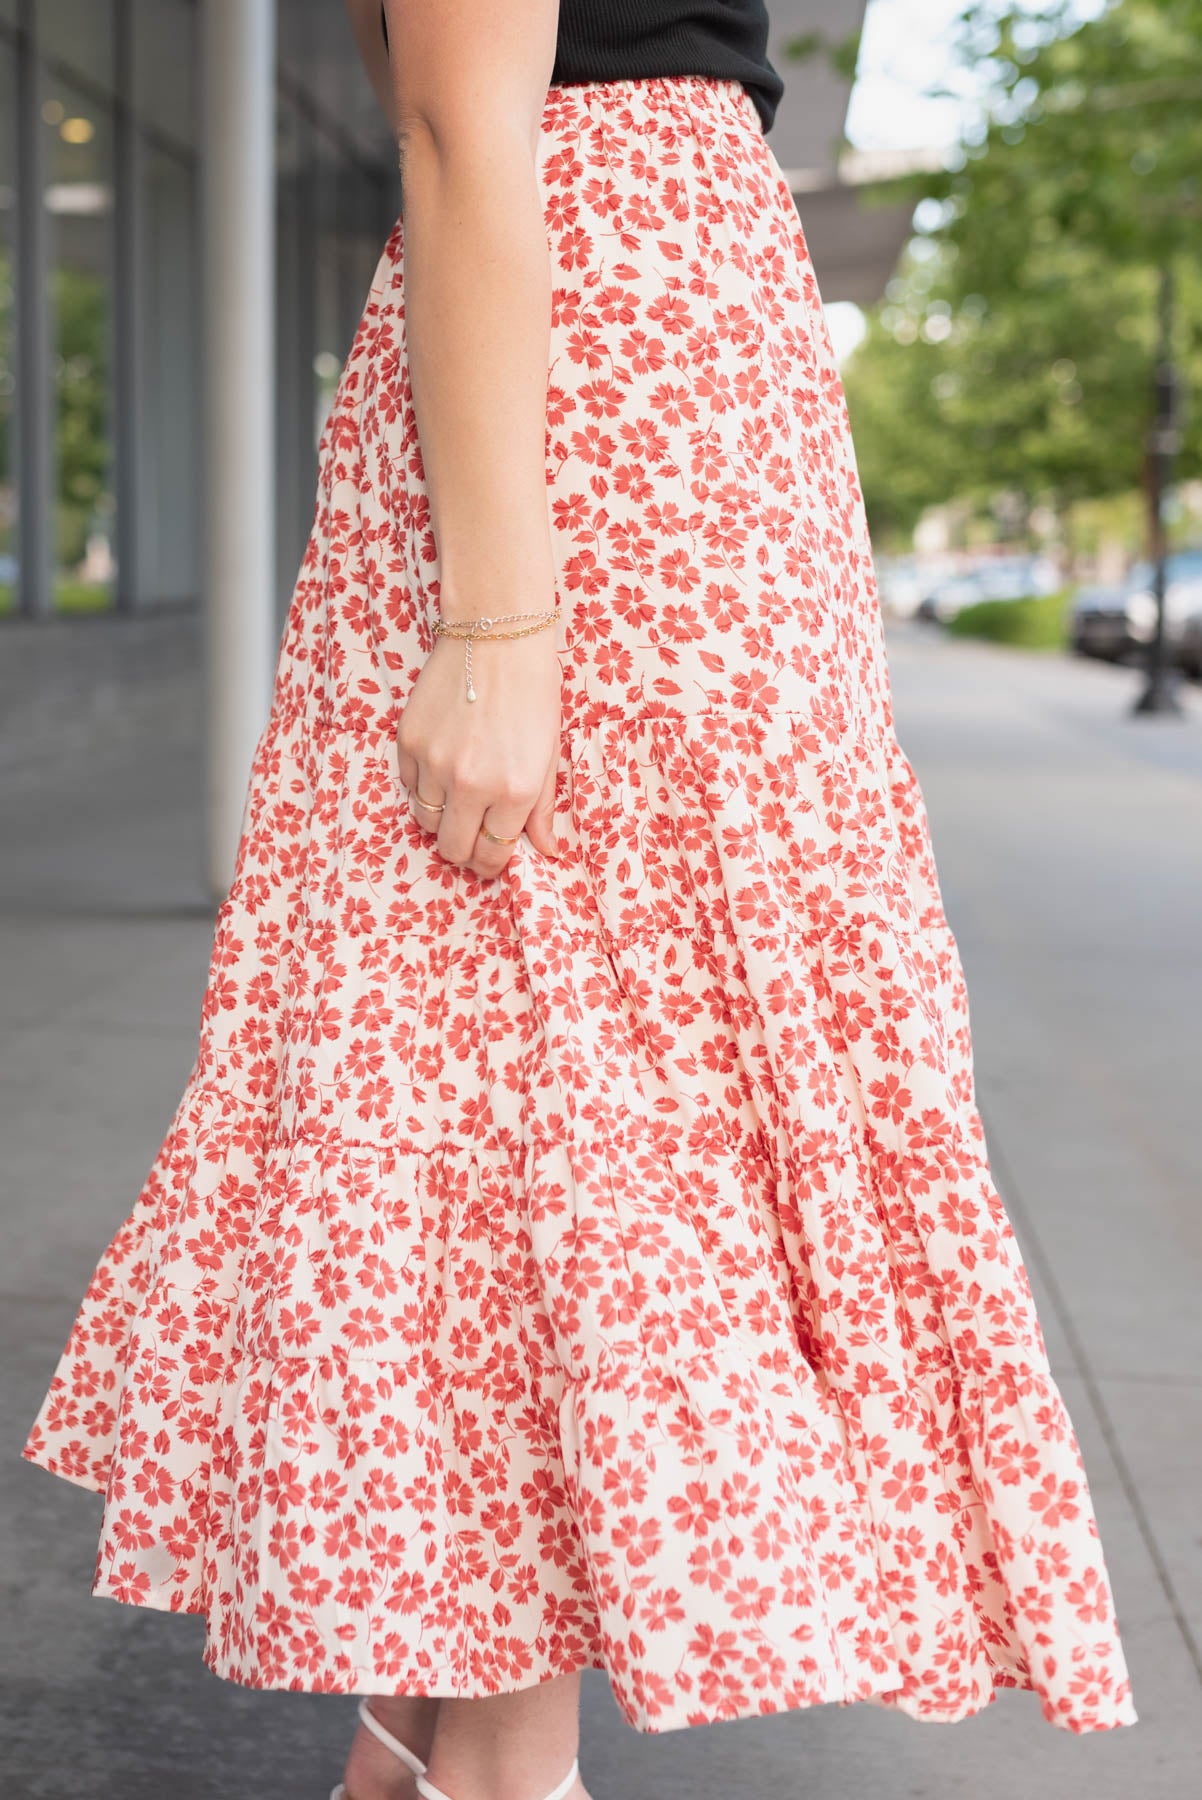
[
  {"x": 296, "y": 259},
  {"x": 333, "y": 215},
  {"x": 332, "y": 218},
  {"x": 165, "y": 68},
  {"x": 8, "y": 359},
  {"x": 331, "y": 188},
  {"x": 167, "y": 439},
  {"x": 352, "y": 212},
  {"x": 78, "y": 160},
  {"x": 78, "y": 34}
]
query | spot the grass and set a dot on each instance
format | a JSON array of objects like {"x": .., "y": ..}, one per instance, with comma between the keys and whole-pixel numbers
[
  {"x": 69, "y": 597},
  {"x": 81, "y": 597},
  {"x": 1039, "y": 622}
]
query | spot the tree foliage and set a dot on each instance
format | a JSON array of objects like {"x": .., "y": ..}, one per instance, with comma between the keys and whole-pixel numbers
[
  {"x": 1016, "y": 346},
  {"x": 82, "y": 394}
]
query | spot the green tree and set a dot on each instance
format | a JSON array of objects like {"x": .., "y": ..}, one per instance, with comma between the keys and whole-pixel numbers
[
  {"x": 7, "y": 390},
  {"x": 1096, "y": 131},
  {"x": 80, "y": 302},
  {"x": 908, "y": 454},
  {"x": 1015, "y": 349}
]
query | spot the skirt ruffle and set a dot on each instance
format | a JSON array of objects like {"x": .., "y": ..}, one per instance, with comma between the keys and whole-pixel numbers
[{"x": 448, "y": 1345}]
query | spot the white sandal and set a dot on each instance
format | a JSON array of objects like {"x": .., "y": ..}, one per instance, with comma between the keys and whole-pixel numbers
[
  {"x": 402, "y": 1752},
  {"x": 428, "y": 1791}
]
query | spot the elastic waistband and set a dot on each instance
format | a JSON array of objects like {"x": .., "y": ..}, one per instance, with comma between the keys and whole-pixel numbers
[{"x": 671, "y": 91}]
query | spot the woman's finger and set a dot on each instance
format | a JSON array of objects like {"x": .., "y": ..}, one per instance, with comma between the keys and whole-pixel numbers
[
  {"x": 496, "y": 841},
  {"x": 459, "y": 825},
  {"x": 406, "y": 754},
  {"x": 540, "y": 826},
  {"x": 471, "y": 827},
  {"x": 426, "y": 796},
  {"x": 406, "y": 764},
  {"x": 427, "y": 801}
]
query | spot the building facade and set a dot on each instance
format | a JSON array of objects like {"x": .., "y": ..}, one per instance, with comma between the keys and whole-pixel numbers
[
  {"x": 101, "y": 368},
  {"x": 194, "y": 195}
]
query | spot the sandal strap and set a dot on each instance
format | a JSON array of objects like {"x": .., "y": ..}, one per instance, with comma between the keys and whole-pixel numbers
[
  {"x": 428, "y": 1791},
  {"x": 402, "y": 1752},
  {"x": 567, "y": 1784}
]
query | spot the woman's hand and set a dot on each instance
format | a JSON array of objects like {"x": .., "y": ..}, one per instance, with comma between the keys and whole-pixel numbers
[{"x": 490, "y": 762}]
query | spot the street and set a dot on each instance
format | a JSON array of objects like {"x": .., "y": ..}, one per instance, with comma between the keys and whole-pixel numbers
[{"x": 1069, "y": 842}]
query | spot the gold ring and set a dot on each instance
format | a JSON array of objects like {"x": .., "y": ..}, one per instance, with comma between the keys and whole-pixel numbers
[
  {"x": 430, "y": 805},
  {"x": 494, "y": 839}
]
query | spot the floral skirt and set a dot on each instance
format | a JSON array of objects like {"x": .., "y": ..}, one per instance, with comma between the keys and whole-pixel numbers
[{"x": 599, "y": 1266}]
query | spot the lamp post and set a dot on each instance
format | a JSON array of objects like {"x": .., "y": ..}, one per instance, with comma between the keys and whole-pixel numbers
[{"x": 1160, "y": 694}]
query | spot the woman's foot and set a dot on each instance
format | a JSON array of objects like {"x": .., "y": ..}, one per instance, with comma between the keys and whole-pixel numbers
[
  {"x": 577, "y": 1791},
  {"x": 519, "y": 1746},
  {"x": 372, "y": 1771}
]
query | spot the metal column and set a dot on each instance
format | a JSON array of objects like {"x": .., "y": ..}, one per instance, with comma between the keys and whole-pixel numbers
[
  {"x": 238, "y": 164},
  {"x": 126, "y": 410},
  {"x": 35, "y": 397}
]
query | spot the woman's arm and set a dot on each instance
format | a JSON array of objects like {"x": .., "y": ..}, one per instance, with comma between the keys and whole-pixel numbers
[{"x": 469, "y": 83}]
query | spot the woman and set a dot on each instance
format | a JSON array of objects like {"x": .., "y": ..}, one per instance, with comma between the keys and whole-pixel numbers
[{"x": 575, "y": 1246}]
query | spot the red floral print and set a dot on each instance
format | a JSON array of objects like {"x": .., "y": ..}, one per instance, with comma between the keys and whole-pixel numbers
[{"x": 599, "y": 1266}]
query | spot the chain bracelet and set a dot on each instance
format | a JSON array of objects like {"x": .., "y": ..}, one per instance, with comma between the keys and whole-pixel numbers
[{"x": 471, "y": 629}]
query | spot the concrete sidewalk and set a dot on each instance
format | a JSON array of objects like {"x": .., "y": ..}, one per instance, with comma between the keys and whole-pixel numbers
[{"x": 1069, "y": 840}]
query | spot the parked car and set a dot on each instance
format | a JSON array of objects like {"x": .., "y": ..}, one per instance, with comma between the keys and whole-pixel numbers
[
  {"x": 993, "y": 578},
  {"x": 901, "y": 586},
  {"x": 1120, "y": 621},
  {"x": 1189, "y": 649},
  {"x": 1100, "y": 623},
  {"x": 948, "y": 597}
]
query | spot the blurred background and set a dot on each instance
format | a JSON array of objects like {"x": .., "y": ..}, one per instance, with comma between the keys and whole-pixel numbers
[{"x": 1004, "y": 207}]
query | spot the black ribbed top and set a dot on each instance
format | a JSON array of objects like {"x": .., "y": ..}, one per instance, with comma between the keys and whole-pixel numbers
[
  {"x": 604, "y": 40},
  {"x": 611, "y": 40}
]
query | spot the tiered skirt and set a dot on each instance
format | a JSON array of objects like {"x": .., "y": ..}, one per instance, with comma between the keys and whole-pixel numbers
[{"x": 599, "y": 1266}]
